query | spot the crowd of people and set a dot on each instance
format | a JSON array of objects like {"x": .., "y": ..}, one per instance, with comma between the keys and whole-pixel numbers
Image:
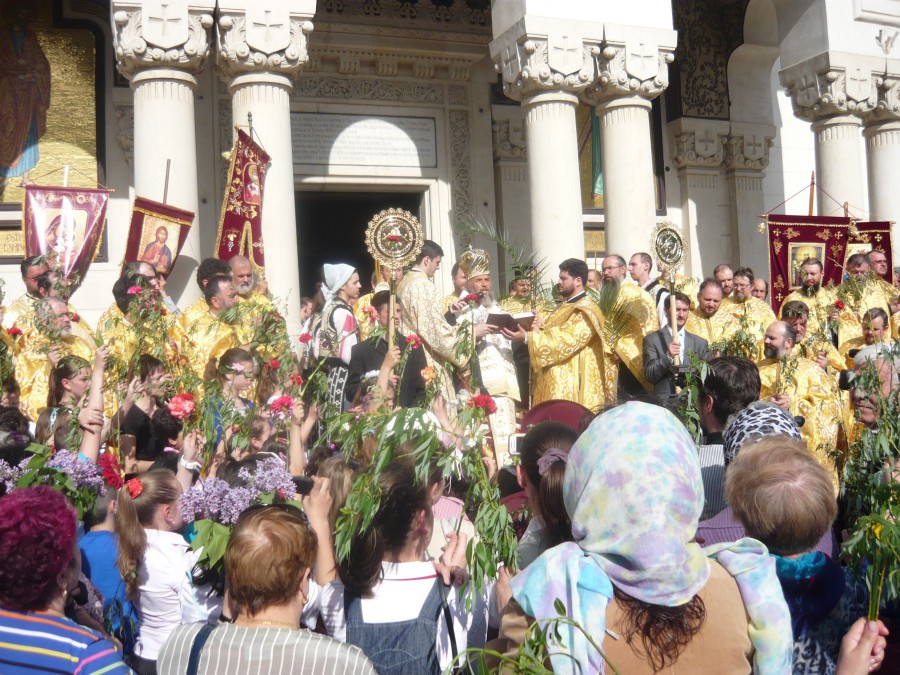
[{"x": 613, "y": 471}]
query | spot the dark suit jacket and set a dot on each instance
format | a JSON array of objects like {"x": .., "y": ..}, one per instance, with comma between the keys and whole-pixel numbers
[
  {"x": 369, "y": 355},
  {"x": 657, "y": 361}
]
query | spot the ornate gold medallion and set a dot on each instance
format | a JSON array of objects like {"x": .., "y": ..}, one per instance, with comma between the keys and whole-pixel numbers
[{"x": 394, "y": 238}]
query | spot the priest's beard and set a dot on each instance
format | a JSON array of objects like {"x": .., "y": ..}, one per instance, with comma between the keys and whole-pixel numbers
[
  {"x": 771, "y": 352},
  {"x": 487, "y": 300},
  {"x": 244, "y": 289},
  {"x": 813, "y": 289},
  {"x": 610, "y": 283}
]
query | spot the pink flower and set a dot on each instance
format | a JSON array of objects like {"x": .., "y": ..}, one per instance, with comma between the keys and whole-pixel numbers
[
  {"x": 15, "y": 331},
  {"x": 372, "y": 312},
  {"x": 297, "y": 380},
  {"x": 181, "y": 406},
  {"x": 306, "y": 338},
  {"x": 134, "y": 290},
  {"x": 282, "y": 405},
  {"x": 274, "y": 364},
  {"x": 414, "y": 341}
]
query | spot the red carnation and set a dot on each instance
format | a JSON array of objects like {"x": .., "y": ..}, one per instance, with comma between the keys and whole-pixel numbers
[
  {"x": 282, "y": 405},
  {"x": 134, "y": 290},
  {"x": 414, "y": 341},
  {"x": 163, "y": 312},
  {"x": 15, "y": 331},
  {"x": 840, "y": 304},
  {"x": 297, "y": 380},
  {"x": 274, "y": 364},
  {"x": 484, "y": 402},
  {"x": 471, "y": 297},
  {"x": 74, "y": 318},
  {"x": 111, "y": 470},
  {"x": 306, "y": 338},
  {"x": 181, "y": 406}
]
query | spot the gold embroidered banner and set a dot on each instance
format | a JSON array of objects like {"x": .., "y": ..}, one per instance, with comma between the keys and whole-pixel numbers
[
  {"x": 64, "y": 224},
  {"x": 157, "y": 233},
  {"x": 240, "y": 224}
]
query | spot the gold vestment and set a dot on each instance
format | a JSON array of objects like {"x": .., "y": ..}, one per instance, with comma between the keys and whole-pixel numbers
[
  {"x": 204, "y": 337},
  {"x": 568, "y": 359},
  {"x": 33, "y": 368}
]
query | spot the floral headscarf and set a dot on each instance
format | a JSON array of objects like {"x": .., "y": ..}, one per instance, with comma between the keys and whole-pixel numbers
[{"x": 634, "y": 491}]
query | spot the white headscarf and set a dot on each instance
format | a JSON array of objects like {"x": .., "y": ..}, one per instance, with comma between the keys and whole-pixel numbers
[{"x": 335, "y": 278}]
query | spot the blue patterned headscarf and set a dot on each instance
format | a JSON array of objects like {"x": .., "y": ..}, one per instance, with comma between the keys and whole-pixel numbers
[{"x": 634, "y": 492}]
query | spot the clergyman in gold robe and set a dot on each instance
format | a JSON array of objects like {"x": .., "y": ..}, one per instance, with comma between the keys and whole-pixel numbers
[
  {"x": 819, "y": 299},
  {"x": 748, "y": 313},
  {"x": 802, "y": 388},
  {"x": 638, "y": 316},
  {"x": 860, "y": 292},
  {"x": 567, "y": 352}
]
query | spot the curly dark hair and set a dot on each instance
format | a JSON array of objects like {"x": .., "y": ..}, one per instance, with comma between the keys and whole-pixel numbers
[{"x": 37, "y": 542}]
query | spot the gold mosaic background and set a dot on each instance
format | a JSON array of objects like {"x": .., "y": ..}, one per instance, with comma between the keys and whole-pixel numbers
[{"x": 71, "y": 121}]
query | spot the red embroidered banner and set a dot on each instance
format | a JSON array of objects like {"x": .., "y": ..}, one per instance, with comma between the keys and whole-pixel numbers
[
  {"x": 793, "y": 239},
  {"x": 240, "y": 225},
  {"x": 870, "y": 236},
  {"x": 157, "y": 234},
  {"x": 64, "y": 224}
]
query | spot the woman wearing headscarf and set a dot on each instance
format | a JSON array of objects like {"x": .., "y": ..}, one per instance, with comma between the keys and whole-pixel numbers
[
  {"x": 633, "y": 578},
  {"x": 337, "y": 331}
]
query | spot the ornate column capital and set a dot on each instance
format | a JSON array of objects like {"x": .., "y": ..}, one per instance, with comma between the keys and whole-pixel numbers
[
  {"x": 157, "y": 35},
  {"x": 262, "y": 39},
  {"x": 887, "y": 105},
  {"x": 631, "y": 62},
  {"x": 747, "y": 147},
  {"x": 531, "y": 62},
  {"x": 833, "y": 83},
  {"x": 698, "y": 143}
]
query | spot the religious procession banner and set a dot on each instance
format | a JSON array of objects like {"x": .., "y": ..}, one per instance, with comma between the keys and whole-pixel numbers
[
  {"x": 157, "y": 233},
  {"x": 868, "y": 236},
  {"x": 240, "y": 225},
  {"x": 64, "y": 224},
  {"x": 793, "y": 239}
]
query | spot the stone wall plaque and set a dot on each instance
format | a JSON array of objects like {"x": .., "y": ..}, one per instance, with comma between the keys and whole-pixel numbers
[{"x": 363, "y": 140}]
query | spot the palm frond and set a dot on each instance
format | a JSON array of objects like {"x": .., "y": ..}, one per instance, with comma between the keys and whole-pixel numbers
[{"x": 616, "y": 314}]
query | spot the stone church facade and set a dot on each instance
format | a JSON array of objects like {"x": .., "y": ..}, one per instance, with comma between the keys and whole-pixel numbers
[{"x": 572, "y": 125}]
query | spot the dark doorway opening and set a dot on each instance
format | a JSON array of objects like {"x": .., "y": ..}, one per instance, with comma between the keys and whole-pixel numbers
[{"x": 331, "y": 227}]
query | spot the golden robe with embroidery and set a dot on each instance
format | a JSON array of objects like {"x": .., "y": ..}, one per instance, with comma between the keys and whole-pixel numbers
[
  {"x": 820, "y": 305},
  {"x": 815, "y": 397},
  {"x": 568, "y": 357},
  {"x": 33, "y": 368},
  {"x": 202, "y": 338},
  {"x": 22, "y": 311},
  {"x": 715, "y": 328},
  {"x": 751, "y": 314},
  {"x": 873, "y": 296},
  {"x": 361, "y": 312},
  {"x": 642, "y": 319},
  {"x": 515, "y": 304},
  {"x": 261, "y": 326},
  {"x": 811, "y": 349},
  {"x": 420, "y": 314}
]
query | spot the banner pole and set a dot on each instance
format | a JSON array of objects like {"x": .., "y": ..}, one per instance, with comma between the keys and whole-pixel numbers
[
  {"x": 812, "y": 192},
  {"x": 66, "y": 176},
  {"x": 166, "y": 183}
]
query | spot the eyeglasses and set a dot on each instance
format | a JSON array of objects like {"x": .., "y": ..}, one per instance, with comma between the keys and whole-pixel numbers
[
  {"x": 740, "y": 287},
  {"x": 607, "y": 268}
]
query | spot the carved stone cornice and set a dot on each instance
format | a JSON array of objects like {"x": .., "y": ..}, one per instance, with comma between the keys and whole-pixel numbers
[
  {"x": 157, "y": 36},
  {"x": 260, "y": 39},
  {"x": 456, "y": 16},
  {"x": 509, "y": 139},
  {"x": 631, "y": 62},
  {"x": 390, "y": 62},
  {"x": 531, "y": 63},
  {"x": 747, "y": 152},
  {"x": 832, "y": 84}
]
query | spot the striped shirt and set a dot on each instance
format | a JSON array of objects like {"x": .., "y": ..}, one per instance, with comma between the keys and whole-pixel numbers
[
  {"x": 36, "y": 642},
  {"x": 263, "y": 650}
]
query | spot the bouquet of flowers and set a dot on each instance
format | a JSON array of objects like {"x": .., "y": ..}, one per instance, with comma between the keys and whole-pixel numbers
[
  {"x": 80, "y": 480},
  {"x": 214, "y": 506}
]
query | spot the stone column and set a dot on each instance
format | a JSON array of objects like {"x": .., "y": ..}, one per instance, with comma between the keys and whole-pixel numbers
[
  {"x": 882, "y": 133},
  {"x": 699, "y": 151},
  {"x": 510, "y": 181},
  {"x": 161, "y": 49},
  {"x": 631, "y": 70},
  {"x": 545, "y": 69},
  {"x": 834, "y": 92},
  {"x": 746, "y": 158},
  {"x": 261, "y": 49}
]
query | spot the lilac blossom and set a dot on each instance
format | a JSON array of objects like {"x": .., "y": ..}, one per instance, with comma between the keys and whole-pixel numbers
[
  {"x": 270, "y": 476},
  {"x": 9, "y": 475},
  {"x": 84, "y": 473},
  {"x": 216, "y": 500}
]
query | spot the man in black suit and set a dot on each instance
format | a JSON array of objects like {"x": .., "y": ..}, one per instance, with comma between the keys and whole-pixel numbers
[
  {"x": 660, "y": 350},
  {"x": 366, "y": 358}
]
